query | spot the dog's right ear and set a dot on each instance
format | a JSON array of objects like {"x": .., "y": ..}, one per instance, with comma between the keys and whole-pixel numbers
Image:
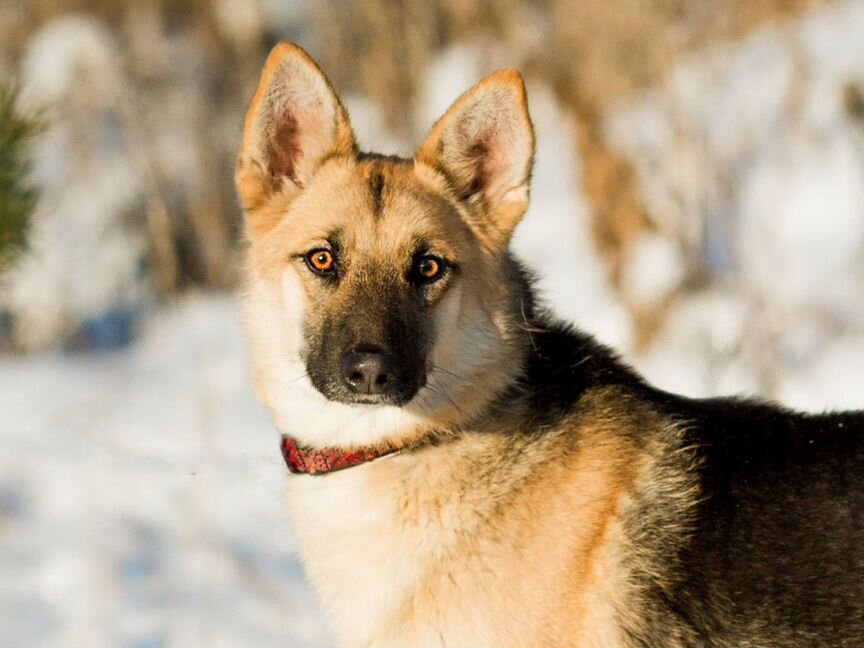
[{"x": 295, "y": 122}]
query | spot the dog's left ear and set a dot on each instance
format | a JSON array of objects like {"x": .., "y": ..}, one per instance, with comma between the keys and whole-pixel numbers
[
  {"x": 484, "y": 145},
  {"x": 294, "y": 123}
]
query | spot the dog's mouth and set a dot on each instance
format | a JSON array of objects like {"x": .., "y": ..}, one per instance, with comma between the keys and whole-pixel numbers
[{"x": 396, "y": 399}]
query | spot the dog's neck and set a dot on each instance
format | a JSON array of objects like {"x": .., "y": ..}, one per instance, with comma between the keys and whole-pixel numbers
[{"x": 304, "y": 460}]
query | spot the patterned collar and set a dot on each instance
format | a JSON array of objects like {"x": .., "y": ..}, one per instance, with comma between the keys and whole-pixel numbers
[{"x": 320, "y": 461}]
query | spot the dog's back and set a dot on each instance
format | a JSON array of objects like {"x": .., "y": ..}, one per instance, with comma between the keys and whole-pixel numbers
[
  {"x": 763, "y": 544},
  {"x": 778, "y": 554}
]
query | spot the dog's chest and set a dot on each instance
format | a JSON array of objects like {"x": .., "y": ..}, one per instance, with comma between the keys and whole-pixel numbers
[
  {"x": 383, "y": 573},
  {"x": 423, "y": 558}
]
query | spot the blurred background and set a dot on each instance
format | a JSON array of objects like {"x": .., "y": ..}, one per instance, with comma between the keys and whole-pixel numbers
[{"x": 698, "y": 203}]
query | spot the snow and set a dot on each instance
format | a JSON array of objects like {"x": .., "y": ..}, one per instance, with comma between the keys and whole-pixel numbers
[
  {"x": 140, "y": 491},
  {"x": 61, "y": 52},
  {"x": 803, "y": 219},
  {"x": 837, "y": 371},
  {"x": 140, "y": 496},
  {"x": 554, "y": 238},
  {"x": 453, "y": 71},
  {"x": 655, "y": 270},
  {"x": 748, "y": 161}
]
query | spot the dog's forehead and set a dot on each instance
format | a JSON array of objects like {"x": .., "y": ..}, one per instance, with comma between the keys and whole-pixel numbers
[{"x": 380, "y": 203}]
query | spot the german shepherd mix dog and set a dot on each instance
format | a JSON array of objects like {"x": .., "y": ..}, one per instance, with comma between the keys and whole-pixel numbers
[{"x": 477, "y": 473}]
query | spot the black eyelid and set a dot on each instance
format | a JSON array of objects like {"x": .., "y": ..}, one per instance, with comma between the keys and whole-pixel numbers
[{"x": 426, "y": 254}]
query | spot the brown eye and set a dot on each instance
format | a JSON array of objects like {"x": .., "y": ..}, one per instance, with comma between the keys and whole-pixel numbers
[
  {"x": 321, "y": 261},
  {"x": 428, "y": 268}
]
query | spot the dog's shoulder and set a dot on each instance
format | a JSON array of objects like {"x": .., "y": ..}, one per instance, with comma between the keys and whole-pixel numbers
[
  {"x": 759, "y": 507},
  {"x": 566, "y": 365}
]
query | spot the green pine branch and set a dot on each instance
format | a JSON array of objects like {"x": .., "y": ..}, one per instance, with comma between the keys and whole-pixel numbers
[{"x": 18, "y": 196}]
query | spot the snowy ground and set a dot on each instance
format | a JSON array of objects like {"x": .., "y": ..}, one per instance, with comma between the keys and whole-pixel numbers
[
  {"x": 140, "y": 491},
  {"x": 140, "y": 497}
]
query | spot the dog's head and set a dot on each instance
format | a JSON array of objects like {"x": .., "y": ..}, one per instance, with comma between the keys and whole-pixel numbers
[{"x": 380, "y": 295}]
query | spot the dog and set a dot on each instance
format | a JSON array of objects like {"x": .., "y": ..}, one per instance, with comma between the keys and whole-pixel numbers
[{"x": 472, "y": 472}]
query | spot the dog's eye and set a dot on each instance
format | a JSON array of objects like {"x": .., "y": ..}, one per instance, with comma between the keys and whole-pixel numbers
[
  {"x": 428, "y": 269},
  {"x": 321, "y": 261}
]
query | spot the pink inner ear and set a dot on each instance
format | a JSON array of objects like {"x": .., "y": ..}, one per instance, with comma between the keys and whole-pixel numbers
[
  {"x": 477, "y": 157},
  {"x": 490, "y": 164},
  {"x": 285, "y": 152}
]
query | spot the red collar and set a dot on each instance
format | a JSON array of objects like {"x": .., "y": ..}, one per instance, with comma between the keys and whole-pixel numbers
[{"x": 313, "y": 461}]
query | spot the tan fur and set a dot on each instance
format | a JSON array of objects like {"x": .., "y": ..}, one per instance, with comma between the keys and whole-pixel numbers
[
  {"x": 475, "y": 535},
  {"x": 416, "y": 550}
]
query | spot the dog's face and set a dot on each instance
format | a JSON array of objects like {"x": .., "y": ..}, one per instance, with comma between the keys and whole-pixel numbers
[
  {"x": 373, "y": 267},
  {"x": 378, "y": 298}
]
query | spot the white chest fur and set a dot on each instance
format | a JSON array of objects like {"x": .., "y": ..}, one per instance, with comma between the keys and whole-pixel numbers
[
  {"x": 376, "y": 560},
  {"x": 359, "y": 560},
  {"x": 412, "y": 552}
]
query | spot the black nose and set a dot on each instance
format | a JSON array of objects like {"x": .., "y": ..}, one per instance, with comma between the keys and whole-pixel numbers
[{"x": 369, "y": 372}]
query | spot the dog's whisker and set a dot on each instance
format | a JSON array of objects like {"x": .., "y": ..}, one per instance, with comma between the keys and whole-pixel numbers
[
  {"x": 440, "y": 369},
  {"x": 436, "y": 389},
  {"x": 525, "y": 319}
]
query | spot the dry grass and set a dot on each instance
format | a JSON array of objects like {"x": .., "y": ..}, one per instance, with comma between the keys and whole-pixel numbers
[{"x": 594, "y": 53}]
